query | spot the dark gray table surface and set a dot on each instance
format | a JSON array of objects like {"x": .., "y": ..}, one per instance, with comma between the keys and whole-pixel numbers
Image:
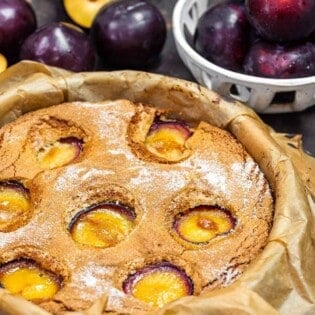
[{"x": 170, "y": 63}]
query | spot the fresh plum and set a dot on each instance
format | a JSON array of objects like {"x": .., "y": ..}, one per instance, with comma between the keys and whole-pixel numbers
[
  {"x": 223, "y": 35},
  {"x": 284, "y": 20},
  {"x": 17, "y": 21},
  {"x": 273, "y": 60},
  {"x": 129, "y": 34},
  {"x": 60, "y": 44}
]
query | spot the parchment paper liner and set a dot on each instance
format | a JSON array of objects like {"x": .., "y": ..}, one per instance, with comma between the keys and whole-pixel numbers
[{"x": 282, "y": 279}]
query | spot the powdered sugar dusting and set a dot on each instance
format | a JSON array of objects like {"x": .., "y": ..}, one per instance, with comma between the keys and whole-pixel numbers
[
  {"x": 70, "y": 174},
  {"x": 89, "y": 279},
  {"x": 227, "y": 274},
  {"x": 230, "y": 275},
  {"x": 93, "y": 278},
  {"x": 88, "y": 173},
  {"x": 107, "y": 127},
  {"x": 171, "y": 180},
  {"x": 250, "y": 178},
  {"x": 221, "y": 179},
  {"x": 77, "y": 174},
  {"x": 122, "y": 151},
  {"x": 214, "y": 174}
]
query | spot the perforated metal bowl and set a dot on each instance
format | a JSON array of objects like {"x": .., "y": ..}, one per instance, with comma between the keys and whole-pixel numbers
[{"x": 262, "y": 94}]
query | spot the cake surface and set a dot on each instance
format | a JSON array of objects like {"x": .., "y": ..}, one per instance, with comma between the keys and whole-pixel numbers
[{"x": 180, "y": 203}]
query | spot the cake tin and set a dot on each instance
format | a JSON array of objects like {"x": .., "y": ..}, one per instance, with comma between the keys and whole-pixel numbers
[{"x": 264, "y": 95}]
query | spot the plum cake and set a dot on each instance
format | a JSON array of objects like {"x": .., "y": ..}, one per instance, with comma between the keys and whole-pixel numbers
[{"x": 128, "y": 201}]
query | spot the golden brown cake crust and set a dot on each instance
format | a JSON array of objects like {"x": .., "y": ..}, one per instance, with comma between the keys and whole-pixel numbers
[{"x": 114, "y": 165}]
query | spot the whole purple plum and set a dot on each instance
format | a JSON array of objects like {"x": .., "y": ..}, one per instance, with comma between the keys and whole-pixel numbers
[
  {"x": 129, "y": 33},
  {"x": 266, "y": 59},
  {"x": 17, "y": 21},
  {"x": 282, "y": 20},
  {"x": 223, "y": 35},
  {"x": 60, "y": 45}
]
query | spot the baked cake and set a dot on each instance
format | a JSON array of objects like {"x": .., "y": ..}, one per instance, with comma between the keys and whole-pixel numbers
[{"x": 128, "y": 201}]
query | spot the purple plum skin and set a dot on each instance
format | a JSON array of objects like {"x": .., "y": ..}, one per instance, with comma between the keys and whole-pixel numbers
[
  {"x": 75, "y": 142},
  {"x": 14, "y": 185},
  {"x": 266, "y": 59},
  {"x": 163, "y": 266},
  {"x": 125, "y": 211},
  {"x": 282, "y": 20},
  {"x": 177, "y": 125},
  {"x": 223, "y": 35},
  {"x": 178, "y": 217},
  {"x": 129, "y": 34},
  {"x": 17, "y": 21},
  {"x": 60, "y": 45}
]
